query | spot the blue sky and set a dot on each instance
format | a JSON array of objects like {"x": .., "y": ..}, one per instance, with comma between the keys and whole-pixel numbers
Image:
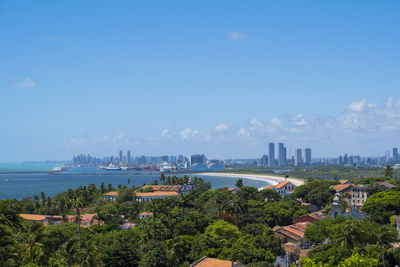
[{"x": 215, "y": 77}]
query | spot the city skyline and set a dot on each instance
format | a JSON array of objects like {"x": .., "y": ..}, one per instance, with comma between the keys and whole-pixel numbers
[{"x": 219, "y": 78}]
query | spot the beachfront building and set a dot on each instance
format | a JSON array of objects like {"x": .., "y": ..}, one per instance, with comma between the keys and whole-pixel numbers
[
  {"x": 111, "y": 196},
  {"x": 284, "y": 188}
]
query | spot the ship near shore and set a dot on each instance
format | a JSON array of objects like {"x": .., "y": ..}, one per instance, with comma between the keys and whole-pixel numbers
[{"x": 112, "y": 167}]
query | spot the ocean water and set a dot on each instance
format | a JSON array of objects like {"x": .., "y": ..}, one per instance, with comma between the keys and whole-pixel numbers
[
  {"x": 20, "y": 185},
  {"x": 27, "y": 167}
]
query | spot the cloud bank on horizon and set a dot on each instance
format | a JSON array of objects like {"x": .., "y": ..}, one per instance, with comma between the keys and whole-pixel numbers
[{"x": 361, "y": 127}]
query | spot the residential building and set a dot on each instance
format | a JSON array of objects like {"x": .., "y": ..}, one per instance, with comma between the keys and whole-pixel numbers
[
  {"x": 148, "y": 196},
  {"x": 111, "y": 196},
  {"x": 145, "y": 215},
  {"x": 358, "y": 195},
  {"x": 87, "y": 220},
  {"x": 271, "y": 154},
  {"x": 345, "y": 182},
  {"x": 211, "y": 262},
  {"x": 311, "y": 217},
  {"x": 284, "y": 188},
  {"x": 291, "y": 233},
  {"x": 343, "y": 189},
  {"x": 386, "y": 184}
]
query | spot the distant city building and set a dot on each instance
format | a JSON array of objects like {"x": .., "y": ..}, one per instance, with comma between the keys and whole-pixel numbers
[
  {"x": 128, "y": 156},
  {"x": 264, "y": 160},
  {"x": 307, "y": 156},
  {"x": 395, "y": 154},
  {"x": 198, "y": 159},
  {"x": 120, "y": 156},
  {"x": 298, "y": 160},
  {"x": 165, "y": 159},
  {"x": 281, "y": 154},
  {"x": 271, "y": 154}
]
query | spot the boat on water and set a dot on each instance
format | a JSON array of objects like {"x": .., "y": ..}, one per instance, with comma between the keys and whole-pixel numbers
[{"x": 110, "y": 167}]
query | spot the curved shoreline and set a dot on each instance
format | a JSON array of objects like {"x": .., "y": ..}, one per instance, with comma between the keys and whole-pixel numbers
[{"x": 262, "y": 177}]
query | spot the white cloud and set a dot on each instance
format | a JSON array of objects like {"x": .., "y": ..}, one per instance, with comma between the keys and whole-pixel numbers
[
  {"x": 243, "y": 133},
  {"x": 165, "y": 133},
  {"x": 189, "y": 133},
  {"x": 221, "y": 127},
  {"x": 235, "y": 35},
  {"x": 357, "y": 106},
  {"x": 118, "y": 137},
  {"x": 26, "y": 83}
]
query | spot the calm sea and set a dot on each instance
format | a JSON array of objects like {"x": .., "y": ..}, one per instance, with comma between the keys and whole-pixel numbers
[{"x": 20, "y": 185}]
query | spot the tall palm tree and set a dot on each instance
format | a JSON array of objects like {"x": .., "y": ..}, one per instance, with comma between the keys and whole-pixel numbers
[
  {"x": 33, "y": 238},
  {"x": 388, "y": 171},
  {"x": 78, "y": 204},
  {"x": 235, "y": 207},
  {"x": 385, "y": 237}
]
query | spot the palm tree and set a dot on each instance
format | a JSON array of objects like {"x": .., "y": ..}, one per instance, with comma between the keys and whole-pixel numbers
[
  {"x": 34, "y": 249},
  {"x": 385, "y": 237},
  {"x": 9, "y": 214},
  {"x": 388, "y": 171},
  {"x": 352, "y": 234},
  {"x": 78, "y": 204},
  {"x": 235, "y": 207}
]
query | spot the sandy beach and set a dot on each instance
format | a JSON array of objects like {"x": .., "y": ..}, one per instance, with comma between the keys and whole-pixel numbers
[{"x": 270, "y": 178}]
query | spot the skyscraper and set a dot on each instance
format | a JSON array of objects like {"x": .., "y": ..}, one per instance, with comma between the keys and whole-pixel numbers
[
  {"x": 198, "y": 158},
  {"x": 307, "y": 156},
  {"x": 120, "y": 156},
  {"x": 271, "y": 154},
  {"x": 128, "y": 156},
  {"x": 395, "y": 154},
  {"x": 281, "y": 154},
  {"x": 298, "y": 160}
]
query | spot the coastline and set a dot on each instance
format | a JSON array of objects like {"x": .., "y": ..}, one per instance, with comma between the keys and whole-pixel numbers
[{"x": 264, "y": 177}]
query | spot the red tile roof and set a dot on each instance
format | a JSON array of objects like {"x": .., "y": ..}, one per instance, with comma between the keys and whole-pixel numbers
[
  {"x": 146, "y": 213},
  {"x": 280, "y": 185},
  {"x": 210, "y": 262},
  {"x": 168, "y": 188},
  {"x": 341, "y": 187},
  {"x": 113, "y": 193},
  {"x": 33, "y": 217},
  {"x": 269, "y": 187}
]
